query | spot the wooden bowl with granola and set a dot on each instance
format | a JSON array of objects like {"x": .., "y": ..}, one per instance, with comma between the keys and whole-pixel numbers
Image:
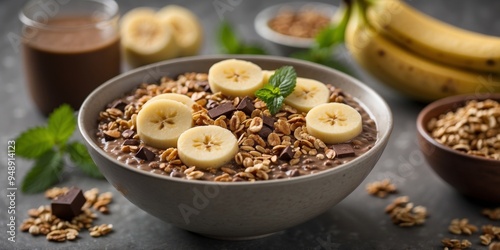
[
  {"x": 216, "y": 159},
  {"x": 460, "y": 139}
]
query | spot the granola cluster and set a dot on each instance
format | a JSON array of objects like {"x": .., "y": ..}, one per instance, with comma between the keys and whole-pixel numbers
[
  {"x": 404, "y": 214},
  {"x": 473, "y": 129},
  {"x": 270, "y": 147},
  {"x": 381, "y": 188},
  {"x": 41, "y": 221}
]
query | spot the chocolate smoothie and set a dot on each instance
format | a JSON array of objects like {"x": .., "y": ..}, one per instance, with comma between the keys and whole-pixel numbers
[{"x": 67, "y": 59}]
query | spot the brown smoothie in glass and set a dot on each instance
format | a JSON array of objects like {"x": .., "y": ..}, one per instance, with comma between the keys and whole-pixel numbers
[{"x": 69, "y": 59}]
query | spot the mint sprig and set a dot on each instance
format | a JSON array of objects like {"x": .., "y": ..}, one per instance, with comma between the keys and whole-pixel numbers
[
  {"x": 48, "y": 146},
  {"x": 280, "y": 85},
  {"x": 231, "y": 44}
]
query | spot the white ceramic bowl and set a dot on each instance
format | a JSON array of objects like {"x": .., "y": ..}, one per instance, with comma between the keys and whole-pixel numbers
[
  {"x": 285, "y": 43},
  {"x": 236, "y": 210}
]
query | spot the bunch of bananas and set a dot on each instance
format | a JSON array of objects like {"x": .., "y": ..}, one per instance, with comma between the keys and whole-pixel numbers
[{"x": 420, "y": 56}]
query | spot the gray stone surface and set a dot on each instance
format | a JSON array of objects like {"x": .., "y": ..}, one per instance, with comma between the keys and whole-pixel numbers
[{"x": 358, "y": 222}]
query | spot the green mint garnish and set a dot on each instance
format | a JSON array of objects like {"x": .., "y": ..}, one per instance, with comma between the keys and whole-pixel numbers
[
  {"x": 48, "y": 146},
  {"x": 280, "y": 85},
  {"x": 230, "y": 44}
]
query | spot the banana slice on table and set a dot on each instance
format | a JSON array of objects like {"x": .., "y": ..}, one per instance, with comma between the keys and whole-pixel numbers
[
  {"x": 207, "y": 146},
  {"x": 145, "y": 39},
  {"x": 186, "y": 26},
  {"x": 184, "y": 99},
  {"x": 334, "y": 122},
  {"x": 160, "y": 123},
  {"x": 308, "y": 93},
  {"x": 235, "y": 77}
]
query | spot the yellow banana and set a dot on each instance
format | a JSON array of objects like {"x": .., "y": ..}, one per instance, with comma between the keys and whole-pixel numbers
[
  {"x": 435, "y": 39},
  {"x": 418, "y": 77}
]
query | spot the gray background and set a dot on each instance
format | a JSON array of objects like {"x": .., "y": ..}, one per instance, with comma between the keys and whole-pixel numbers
[{"x": 358, "y": 222}]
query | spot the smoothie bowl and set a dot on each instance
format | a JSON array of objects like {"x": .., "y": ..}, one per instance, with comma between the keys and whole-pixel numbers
[{"x": 182, "y": 143}]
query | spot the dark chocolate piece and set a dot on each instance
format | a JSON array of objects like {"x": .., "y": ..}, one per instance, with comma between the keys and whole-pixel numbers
[
  {"x": 131, "y": 142},
  {"x": 264, "y": 132},
  {"x": 246, "y": 105},
  {"x": 286, "y": 154},
  {"x": 68, "y": 205},
  {"x": 128, "y": 133},
  {"x": 343, "y": 150},
  {"x": 268, "y": 121},
  {"x": 119, "y": 105},
  {"x": 223, "y": 109},
  {"x": 145, "y": 154}
]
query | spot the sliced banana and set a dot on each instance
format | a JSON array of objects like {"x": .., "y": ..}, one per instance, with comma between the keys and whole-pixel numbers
[
  {"x": 207, "y": 146},
  {"x": 235, "y": 77},
  {"x": 184, "y": 99},
  {"x": 187, "y": 29},
  {"x": 145, "y": 39},
  {"x": 160, "y": 123},
  {"x": 267, "y": 75},
  {"x": 308, "y": 93},
  {"x": 334, "y": 122}
]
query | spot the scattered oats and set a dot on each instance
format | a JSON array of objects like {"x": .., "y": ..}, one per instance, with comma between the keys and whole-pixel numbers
[
  {"x": 461, "y": 226},
  {"x": 455, "y": 243},
  {"x": 381, "y": 188},
  {"x": 493, "y": 214},
  {"x": 56, "y": 191},
  {"x": 404, "y": 214}
]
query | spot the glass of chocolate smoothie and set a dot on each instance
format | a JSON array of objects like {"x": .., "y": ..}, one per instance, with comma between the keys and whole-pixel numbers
[{"x": 69, "y": 48}]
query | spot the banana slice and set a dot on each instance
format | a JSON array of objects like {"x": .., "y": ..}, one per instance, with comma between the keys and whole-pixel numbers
[
  {"x": 235, "y": 78},
  {"x": 334, "y": 122},
  {"x": 186, "y": 26},
  {"x": 145, "y": 39},
  {"x": 308, "y": 93},
  {"x": 184, "y": 99},
  {"x": 160, "y": 123},
  {"x": 207, "y": 146}
]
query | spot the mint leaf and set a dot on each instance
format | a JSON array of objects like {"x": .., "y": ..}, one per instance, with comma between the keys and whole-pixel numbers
[
  {"x": 44, "y": 173},
  {"x": 228, "y": 39},
  {"x": 80, "y": 157},
  {"x": 62, "y": 123},
  {"x": 275, "y": 105},
  {"x": 34, "y": 142},
  {"x": 327, "y": 37},
  {"x": 281, "y": 84},
  {"x": 285, "y": 79}
]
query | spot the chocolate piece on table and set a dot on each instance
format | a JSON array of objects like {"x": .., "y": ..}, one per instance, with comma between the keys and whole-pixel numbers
[
  {"x": 128, "y": 133},
  {"x": 268, "y": 121},
  {"x": 343, "y": 150},
  {"x": 68, "y": 205},
  {"x": 246, "y": 105},
  {"x": 223, "y": 109},
  {"x": 264, "y": 132},
  {"x": 286, "y": 154},
  {"x": 145, "y": 154},
  {"x": 119, "y": 105},
  {"x": 131, "y": 142}
]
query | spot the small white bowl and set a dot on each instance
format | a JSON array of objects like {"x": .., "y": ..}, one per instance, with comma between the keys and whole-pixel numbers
[{"x": 284, "y": 41}]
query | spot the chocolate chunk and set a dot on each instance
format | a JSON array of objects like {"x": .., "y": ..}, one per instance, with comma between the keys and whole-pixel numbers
[
  {"x": 68, "y": 205},
  {"x": 131, "y": 142},
  {"x": 343, "y": 150},
  {"x": 286, "y": 154},
  {"x": 268, "y": 121},
  {"x": 145, "y": 154},
  {"x": 223, "y": 109},
  {"x": 119, "y": 104},
  {"x": 264, "y": 132},
  {"x": 246, "y": 105},
  {"x": 128, "y": 133}
]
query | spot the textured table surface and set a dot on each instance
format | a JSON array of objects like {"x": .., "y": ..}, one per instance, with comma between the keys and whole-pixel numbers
[{"x": 358, "y": 222}]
